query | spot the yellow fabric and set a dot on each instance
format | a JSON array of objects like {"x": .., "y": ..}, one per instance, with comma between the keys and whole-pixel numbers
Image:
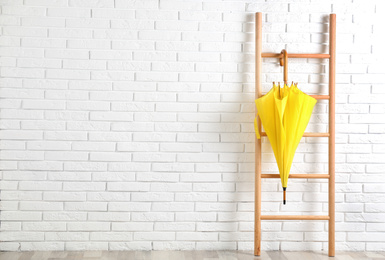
[{"x": 284, "y": 113}]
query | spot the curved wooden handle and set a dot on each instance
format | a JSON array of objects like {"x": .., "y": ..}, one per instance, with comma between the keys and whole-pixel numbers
[{"x": 283, "y": 62}]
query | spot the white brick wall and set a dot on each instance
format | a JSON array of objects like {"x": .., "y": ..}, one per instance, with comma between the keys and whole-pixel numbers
[{"x": 128, "y": 125}]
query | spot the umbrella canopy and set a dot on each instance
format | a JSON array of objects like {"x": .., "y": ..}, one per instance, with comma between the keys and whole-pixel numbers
[{"x": 284, "y": 113}]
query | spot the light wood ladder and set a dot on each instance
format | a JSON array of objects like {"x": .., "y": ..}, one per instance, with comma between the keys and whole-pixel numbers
[{"x": 331, "y": 134}]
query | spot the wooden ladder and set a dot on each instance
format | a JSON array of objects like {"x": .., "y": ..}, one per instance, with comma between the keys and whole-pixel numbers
[{"x": 331, "y": 134}]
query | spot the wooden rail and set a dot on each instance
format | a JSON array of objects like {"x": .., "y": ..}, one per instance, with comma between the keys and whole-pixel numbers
[
  {"x": 307, "y": 134},
  {"x": 316, "y": 96},
  {"x": 258, "y": 142},
  {"x": 293, "y": 217},
  {"x": 297, "y": 55},
  {"x": 298, "y": 176}
]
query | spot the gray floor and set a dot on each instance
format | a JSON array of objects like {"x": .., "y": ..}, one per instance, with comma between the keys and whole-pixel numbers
[{"x": 185, "y": 255}]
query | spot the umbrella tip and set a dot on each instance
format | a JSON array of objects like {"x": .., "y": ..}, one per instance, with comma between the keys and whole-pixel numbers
[{"x": 284, "y": 195}]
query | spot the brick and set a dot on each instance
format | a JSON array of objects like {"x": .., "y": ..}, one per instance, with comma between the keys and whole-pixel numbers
[
  {"x": 88, "y": 44},
  {"x": 195, "y": 216},
  {"x": 109, "y": 216},
  {"x": 23, "y": 10},
  {"x": 366, "y": 78},
  {"x": 156, "y": 14},
  {"x": 110, "y": 157},
  {"x": 132, "y": 226},
  {"x": 39, "y": 63},
  {"x": 129, "y": 65},
  {"x": 222, "y": 147},
  {"x": 128, "y": 186},
  {"x": 83, "y": 186},
  {"x": 125, "y": 44},
  {"x": 372, "y": 236},
  {"x": 155, "y": 137},
  {"x": 110, "y": 55},
  {"x": 199, "y": 57},
  {"x": 18, "y": 236},
  {"x": 85, "y": 206},
  {"x": 374, "y": 207},
  {"x": 84, "y": 64},
  {"x": 87, "y": 23},
  {"x": 65, "y": 135},
  {"x": 193, "y": 157},
  {"x": 42, "y": 22},
  {"x": 88, "y": 105},
  {"x": 153, "y": 216},
  {"x": 172, "y": 66},
  {"x": 22, "y": 155},
  {"x": 108, "y": 196},
  {"x": 219, "y": 127},
  {"x": 45, "y": 3},
  {"x": 110, "y": 236},
  {"x": 88, "y": 126},
  {"x": 165, "y": 177},
  {"x": 200, "y": 177},
  {"x": 172, "y": 167},
  {"x": 137, "y": 146},
  {"x": 111, "y": 116},
  {"x": 367, "y": 158},
  {"x": 232, "y": 216},
  {"x": 111, "y": 75},
  {"x": 156, "y": 76},
  {"x": 43, "y": 104},
  {"x": 21, "y": 72},
  {"x": 40, "y": 206},
  {"x": 92, "y": 3},
  {"x": 192, "y": 15},
  {"x": 64, "y": 196},
  {"x": 175, "y": 46},
  {"x": 132, "y": 206},
  {"x": 176, "y": 107},
  {"x": 66, "y": 54},
  {"x": 154, "y": 117},
  {"x": 69, "y": 156},
  {"x": 197, "y": 137},
  {"x": 70, "y": 33},
  {"x": 40, "y": 166},
  {"x": 152, "y": 196},
  {"x": 68, "y": 12},
  {"x": 157, "y": 187},
  {"x": 88, "y": 226},
  {"x": 124, "y": 167},
  {"x": 154, "y": 157},
  {"x": 133, "y": 107},
  {"x": 200, "y": 187}
]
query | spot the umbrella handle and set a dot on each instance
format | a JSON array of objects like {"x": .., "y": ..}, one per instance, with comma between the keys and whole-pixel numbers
[
  {"x": 284, "y": 195},
  {"x": 283, "y": 62}
]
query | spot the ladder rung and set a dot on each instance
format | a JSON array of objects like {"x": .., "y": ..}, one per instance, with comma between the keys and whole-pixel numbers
[
  {"x": 320, "y": 96},
  {"x": 297, "y": 55},
  {"x": 293, "y": 217},
  {"x": 307, "y": 134},
  {"x": 316, "y": 96},
  {"x": 298, "y": 176}
]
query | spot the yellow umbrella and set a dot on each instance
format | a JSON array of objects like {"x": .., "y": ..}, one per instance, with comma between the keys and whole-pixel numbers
[{"x": 284, "y": 114}]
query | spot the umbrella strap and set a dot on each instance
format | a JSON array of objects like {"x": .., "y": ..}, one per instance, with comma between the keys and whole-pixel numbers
[{"x": 256, "y": 127}]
